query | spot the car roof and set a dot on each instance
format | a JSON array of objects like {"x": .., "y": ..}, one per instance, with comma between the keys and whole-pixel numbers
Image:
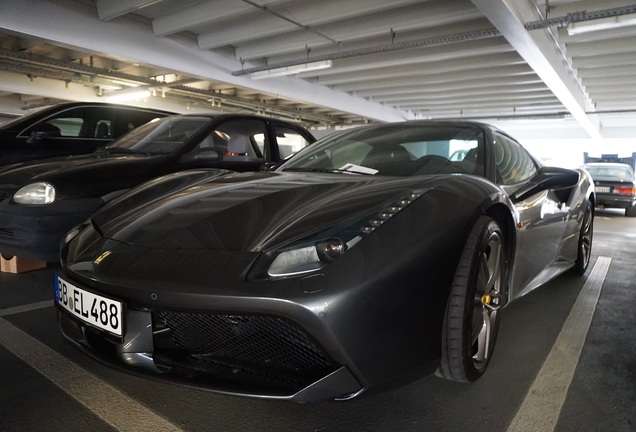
[
  {"x": 215, "y": 116},
  {"x": 66, "y": 105},
  {"x": 448, "y": 122},
  {"x": 52, "y": 109}
]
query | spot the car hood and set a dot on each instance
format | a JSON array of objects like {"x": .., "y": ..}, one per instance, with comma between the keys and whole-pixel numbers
[
  {"x": 73, "y": 172},
  {"x": 247, "y": 212}
]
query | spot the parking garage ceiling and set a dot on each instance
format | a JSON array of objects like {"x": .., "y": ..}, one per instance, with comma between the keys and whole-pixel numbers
[{"x": 564, "y": 62}]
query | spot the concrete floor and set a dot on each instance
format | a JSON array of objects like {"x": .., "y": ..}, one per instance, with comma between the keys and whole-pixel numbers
[{"x": 46, "y": 385}]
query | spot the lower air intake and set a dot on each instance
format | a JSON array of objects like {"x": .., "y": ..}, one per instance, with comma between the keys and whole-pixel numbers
[{"x": 266, "y": 351}]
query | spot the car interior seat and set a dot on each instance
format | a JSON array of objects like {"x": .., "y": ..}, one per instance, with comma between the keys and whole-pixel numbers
[
  {"x": 102, "y": 131},
  {"x": 382, "y": 155}
]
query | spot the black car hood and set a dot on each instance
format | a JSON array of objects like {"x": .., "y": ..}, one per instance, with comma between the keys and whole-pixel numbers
[
  {"x": 248, "y": 211},
  {"x": 72, "y": 173}
]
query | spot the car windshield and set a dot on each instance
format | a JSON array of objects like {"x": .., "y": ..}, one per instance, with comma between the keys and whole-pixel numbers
[
  {"x": 160, "y": 136},
  {"x": 395, "y": 150},
  {"x": 611, "y": 172}
]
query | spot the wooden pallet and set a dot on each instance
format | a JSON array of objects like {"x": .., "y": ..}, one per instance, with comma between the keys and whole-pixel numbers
[{"x": 14, "y": 264}]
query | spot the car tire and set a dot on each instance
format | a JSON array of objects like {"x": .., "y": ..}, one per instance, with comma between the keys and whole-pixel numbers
[
  {"x": 630, "y": 211},
  {"x": 471, "y": 321},
  {"x": 586, "y": 235}
]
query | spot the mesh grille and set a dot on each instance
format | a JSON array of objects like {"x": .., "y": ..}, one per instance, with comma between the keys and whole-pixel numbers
[
  {"x": 258, "y": 348},
  {"x": 3, "y": 196}
]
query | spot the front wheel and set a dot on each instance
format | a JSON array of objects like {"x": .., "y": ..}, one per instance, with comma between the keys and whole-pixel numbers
[{"x": 472, "y": 313}]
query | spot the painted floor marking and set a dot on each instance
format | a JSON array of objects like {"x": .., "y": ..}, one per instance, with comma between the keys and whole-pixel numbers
[
  {"x": 541, "y": 408},
  {"x": 110, "y": 404},
  {"x": 26, "y": 308}
]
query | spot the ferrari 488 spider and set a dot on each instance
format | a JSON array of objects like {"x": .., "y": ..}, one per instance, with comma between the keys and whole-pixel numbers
[{"x": 378, "y": 253}]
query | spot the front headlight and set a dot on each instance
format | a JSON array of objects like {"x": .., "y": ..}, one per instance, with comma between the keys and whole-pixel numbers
[
  {"x": 35, "y": 193},
  {"x": 313, "y": 253},
  {"x": 306, "y": 259}
]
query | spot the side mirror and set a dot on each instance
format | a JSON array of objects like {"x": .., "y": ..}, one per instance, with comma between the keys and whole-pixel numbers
[
  {"x": 202, "y": 156},
  {"x": 546, "y": 178},
  {"x": 269, "y": 166},
  {"x": 43, "y": 130}
]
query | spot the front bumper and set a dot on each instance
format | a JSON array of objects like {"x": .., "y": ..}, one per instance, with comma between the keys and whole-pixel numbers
[
  {"x": 614, "y": 201},
  {"x": 245, "y": 355},
  {"x": 35, "y": 232}
]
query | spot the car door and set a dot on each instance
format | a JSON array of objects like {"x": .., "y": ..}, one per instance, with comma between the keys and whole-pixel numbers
[
  {"x": 542, "y": 216},
  {"x": 246, "y": 144}
]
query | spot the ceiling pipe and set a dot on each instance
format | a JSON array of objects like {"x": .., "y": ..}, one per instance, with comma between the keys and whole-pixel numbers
[
  {"x": 40, "y": 66},
  {"x": 437, "y": 41}
]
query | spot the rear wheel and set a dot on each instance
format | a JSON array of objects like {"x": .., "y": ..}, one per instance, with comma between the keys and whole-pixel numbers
[
  {"x": 472, "y": 313},
  {"x": 585, "y": 241},
  {"x": 630, "y": 211}
]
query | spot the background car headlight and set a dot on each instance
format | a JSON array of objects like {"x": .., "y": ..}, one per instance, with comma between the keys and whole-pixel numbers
[{"x": 35, "y": 193}]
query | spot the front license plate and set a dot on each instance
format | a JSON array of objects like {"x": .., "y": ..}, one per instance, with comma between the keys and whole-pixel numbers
[
  {"x": 602, "y": 189},
  {"x": 96, "y": 310}
]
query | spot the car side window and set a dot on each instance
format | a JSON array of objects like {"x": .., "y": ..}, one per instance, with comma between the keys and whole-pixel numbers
[
  {"x": 513, "y": 163},
  {"x": 289, "y": 140},
  {"x": 239, "y": 140},
  {"x": 80, "y": 122},
  {"x": 133, "y": 119}
]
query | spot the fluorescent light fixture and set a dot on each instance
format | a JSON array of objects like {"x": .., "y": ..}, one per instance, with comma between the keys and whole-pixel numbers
[
  {"x": 601, "y": 24},
  {"x": 292, "y": 70},
  {"x": 128, "y": 94}
]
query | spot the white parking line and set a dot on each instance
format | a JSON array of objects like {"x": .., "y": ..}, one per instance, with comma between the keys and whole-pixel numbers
[
  {"x": 541, "y": 408},
  {"x": 111, "y": 405},
  {"x": 26, "y": 308}
]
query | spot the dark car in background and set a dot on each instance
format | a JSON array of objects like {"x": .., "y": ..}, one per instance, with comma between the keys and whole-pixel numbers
[
  {"x": 40, "y": 201},
  {"x": 615, "y": 186},
  {"x": 69, "y": 128},
  {"x": 374, "y": 255}
]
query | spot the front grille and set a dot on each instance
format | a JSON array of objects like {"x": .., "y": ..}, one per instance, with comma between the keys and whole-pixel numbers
[
  {"x": 3, "y": 196},
  {"x": 248, "y": 349}
]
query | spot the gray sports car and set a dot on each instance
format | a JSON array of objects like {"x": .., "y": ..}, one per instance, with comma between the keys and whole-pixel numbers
[{"x": 373, "y": 255}]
